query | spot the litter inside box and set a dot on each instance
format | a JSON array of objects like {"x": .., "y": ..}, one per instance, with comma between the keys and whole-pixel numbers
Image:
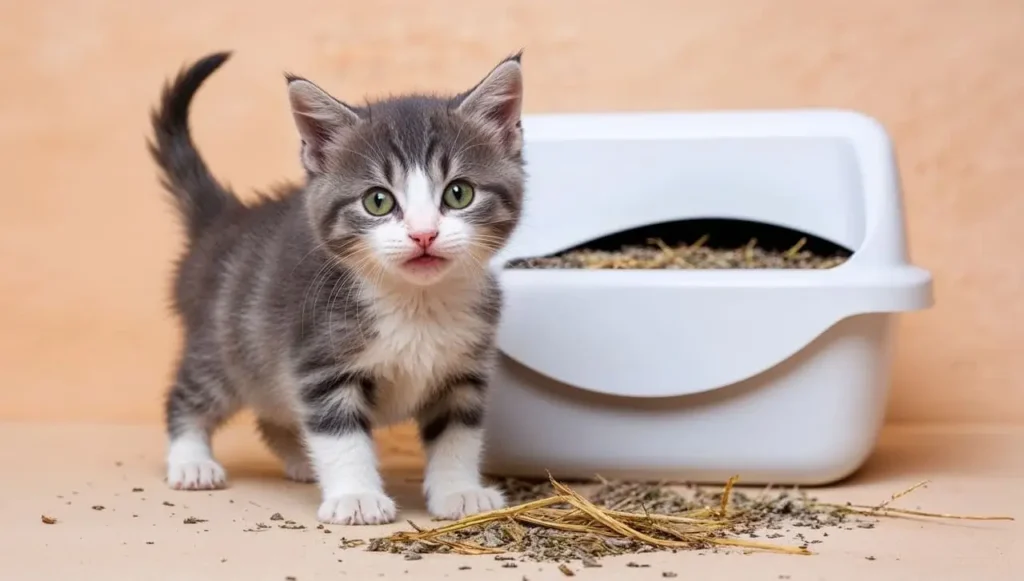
[{"x": 697, "y": 245}]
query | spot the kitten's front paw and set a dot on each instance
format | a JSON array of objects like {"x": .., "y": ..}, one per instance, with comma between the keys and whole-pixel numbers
[
  {"x": 368, "y": 508},
  {"x": 457, "y": 505},
  {"x": 196, "y": 475},
  {"x": 299, "y": 472}
]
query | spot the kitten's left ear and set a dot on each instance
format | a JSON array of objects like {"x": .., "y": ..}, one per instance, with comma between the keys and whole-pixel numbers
[{"x": 498, "y": 99}]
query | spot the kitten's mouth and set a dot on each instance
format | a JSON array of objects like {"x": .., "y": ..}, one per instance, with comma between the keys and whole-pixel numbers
[{"x": 425, "y": 261}]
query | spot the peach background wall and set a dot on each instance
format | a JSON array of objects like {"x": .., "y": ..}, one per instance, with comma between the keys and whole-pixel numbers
[{"x": 86, "y": 240}]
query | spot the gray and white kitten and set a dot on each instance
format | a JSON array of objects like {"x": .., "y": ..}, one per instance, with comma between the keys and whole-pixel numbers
[{"x": 359, "y": 299}]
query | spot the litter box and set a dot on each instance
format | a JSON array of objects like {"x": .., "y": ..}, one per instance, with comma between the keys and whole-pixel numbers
[{"x": 778, "y": 376}]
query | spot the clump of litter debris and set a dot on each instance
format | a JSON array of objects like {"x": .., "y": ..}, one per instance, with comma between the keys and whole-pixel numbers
[
  {"x": 551, "y": 522},
  {"x": 697, "y": 256}
]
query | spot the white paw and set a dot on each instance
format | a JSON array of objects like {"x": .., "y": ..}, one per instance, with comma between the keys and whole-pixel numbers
[
  {"x": 299, "y": 471},
  {"x": 457, "y": 505},
  {"x": 196, "y": 475},
  {"x": 368, "y": 508}
]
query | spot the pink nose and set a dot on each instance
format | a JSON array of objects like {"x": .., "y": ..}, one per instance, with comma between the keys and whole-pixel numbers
[{"x": 424, "y": 238}]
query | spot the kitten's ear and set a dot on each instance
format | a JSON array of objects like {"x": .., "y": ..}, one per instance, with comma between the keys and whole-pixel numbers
[
  {"x": 320, "y": 119},
  {"x": 498, "y": 99}
]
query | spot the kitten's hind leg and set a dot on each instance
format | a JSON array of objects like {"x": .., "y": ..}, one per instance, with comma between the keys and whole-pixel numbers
[
  {"x": 450, "y": 427},
  {"x": 286, "y": 443},
  {"x": 196, "y": 406}
]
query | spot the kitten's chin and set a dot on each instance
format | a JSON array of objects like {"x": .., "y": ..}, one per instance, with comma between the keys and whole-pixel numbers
[{"x": 424, "y": 270}]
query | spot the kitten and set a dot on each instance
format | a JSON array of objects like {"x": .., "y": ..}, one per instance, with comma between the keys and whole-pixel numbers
[{"x": 359, "y": 299}]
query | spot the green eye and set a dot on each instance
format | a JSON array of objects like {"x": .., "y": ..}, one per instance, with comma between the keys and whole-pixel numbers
[
  {"x": 379, "y": 202},
  {"x": 458, "y": 195}
]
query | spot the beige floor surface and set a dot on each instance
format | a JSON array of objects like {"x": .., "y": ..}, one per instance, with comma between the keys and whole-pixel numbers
[{"x": 64, "y": 471}]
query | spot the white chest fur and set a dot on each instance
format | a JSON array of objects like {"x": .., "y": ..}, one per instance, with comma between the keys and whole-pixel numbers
[{"x": 421, "y": 336}]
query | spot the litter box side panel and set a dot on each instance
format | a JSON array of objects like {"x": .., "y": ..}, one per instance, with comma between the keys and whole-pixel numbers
[
  {"x": 811, "y": 420},
  {"x": 662, "y": 334}
]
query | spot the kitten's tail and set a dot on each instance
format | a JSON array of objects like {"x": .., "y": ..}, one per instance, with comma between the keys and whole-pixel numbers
[{"x": 199, "y": 197}]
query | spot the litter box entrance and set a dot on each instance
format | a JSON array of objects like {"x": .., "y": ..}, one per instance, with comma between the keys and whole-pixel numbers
[{"x": 698, "y": 244}]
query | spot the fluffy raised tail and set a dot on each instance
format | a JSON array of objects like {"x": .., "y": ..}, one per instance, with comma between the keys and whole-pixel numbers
[{"x": 199, "y": 197}]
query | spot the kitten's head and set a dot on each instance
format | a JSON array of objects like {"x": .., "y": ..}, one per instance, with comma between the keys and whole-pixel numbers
[{"x": 414, "y": 187}]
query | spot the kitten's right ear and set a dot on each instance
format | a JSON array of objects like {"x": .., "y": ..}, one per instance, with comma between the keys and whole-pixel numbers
[{"x": 320, "y": 119}]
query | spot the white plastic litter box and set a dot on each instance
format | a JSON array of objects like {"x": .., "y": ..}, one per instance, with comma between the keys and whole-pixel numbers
[{"x": 778, "y": 376}]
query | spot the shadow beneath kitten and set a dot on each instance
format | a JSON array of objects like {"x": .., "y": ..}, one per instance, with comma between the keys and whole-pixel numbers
[
  {"x": 404, "y": 485},
  {"x": 406, "y": 488}
]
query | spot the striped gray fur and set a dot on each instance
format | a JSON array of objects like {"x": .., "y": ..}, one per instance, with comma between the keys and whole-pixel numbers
[{"x": 299, "y": 305}]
